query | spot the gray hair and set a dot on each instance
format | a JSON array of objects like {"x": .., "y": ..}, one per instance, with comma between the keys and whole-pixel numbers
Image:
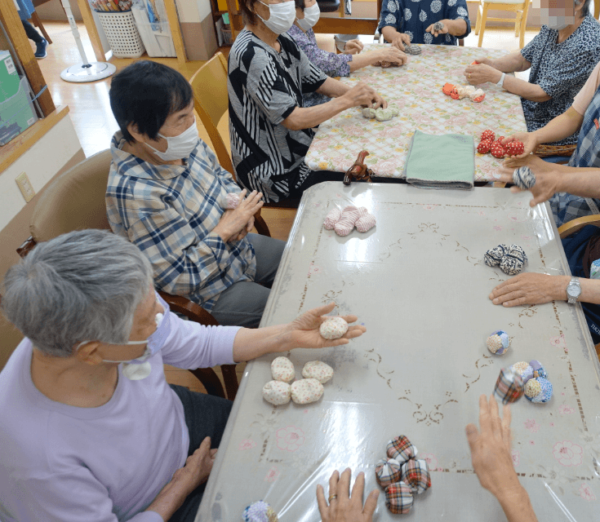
[
  {"x": 81, "y": 286},
  {"x": 586, "y": 7}
]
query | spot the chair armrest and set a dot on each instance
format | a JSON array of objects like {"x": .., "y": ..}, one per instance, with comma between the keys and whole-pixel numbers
[
  {"x": 499, "y": 184},
  {"x": 575, "y": 225},
  {"x": 191, "y": 310},
  {"x": 27, "y": 246}
]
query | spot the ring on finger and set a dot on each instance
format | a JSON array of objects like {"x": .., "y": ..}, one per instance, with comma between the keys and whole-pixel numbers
[{"x": 331, "y": 497}]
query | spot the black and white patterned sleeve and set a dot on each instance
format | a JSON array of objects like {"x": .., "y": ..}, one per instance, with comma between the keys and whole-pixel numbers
[
  {"x": 312, "y": 76},
  {"x": 268, "y": 89}
]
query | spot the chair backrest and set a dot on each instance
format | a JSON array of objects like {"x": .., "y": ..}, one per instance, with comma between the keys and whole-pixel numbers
[
  {"x": 211, "y": 102},
  {"x": 73, "y": 201}
]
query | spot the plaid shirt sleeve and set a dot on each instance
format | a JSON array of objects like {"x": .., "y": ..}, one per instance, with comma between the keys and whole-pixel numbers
[
  {"x": 182, "y": 264},
  {"x": 224, "y": 175}
]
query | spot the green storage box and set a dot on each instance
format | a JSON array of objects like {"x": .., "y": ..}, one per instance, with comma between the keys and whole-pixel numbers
[
  {"x": 9, "y": 77},
  {"x": 16, "y": 113}
]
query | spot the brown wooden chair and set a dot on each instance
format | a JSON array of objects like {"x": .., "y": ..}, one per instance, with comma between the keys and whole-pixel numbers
[
  {"x": 211, "y": 102},
  {"x": 76, "y": 201},
  {"x": 519, "y": 7},
  {"x": 575, "y": 225}
]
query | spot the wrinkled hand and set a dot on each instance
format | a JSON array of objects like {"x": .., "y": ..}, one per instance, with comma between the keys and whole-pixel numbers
[
  {"x": 234, "y": 223},
  {"x": 478, "y": 74},
  {"x": 434, "y": 32},
  {"x": 245, "y": 231},
  {"x": 365, "y": 96},
  {"x": 353, "y": 47},
  {"x": 529, "y": 288},
  {"x": 490, "y": 449},
  {"x": 529, "y": 144},
  {"x": 392, "y": 55},
  {"x": 400, "y": 40},
  {"x": 546, "y": 183},
  {"x": 304, "y": 331},
  {"x": 197, "y": 467},
  {"x": 346, "y": 508}
]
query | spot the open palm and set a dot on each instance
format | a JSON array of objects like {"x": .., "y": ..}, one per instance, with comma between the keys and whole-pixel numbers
[{"x": 305, "y": 329}]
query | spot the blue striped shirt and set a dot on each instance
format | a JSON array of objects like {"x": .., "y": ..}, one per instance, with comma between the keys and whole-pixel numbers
[{"x": 169, "y": 212}]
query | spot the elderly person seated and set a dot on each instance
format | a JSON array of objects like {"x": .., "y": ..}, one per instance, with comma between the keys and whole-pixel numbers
[
  {"x": 581, "y": 248},
  {"x": 560, "y": 58},
  {"x": 581, "y": 118},
  {"x": 492, "y": 462},
  {"x": 168, "y": 195},
  {"x": 406, "y": 21},
  {"x": 269, "y": 126},
  {"x": 332, "y": 64},
  {"x": 90, "y": 428}
]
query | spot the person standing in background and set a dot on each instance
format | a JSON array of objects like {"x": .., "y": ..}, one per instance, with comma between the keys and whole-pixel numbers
[{"x": 26, "y": 9}]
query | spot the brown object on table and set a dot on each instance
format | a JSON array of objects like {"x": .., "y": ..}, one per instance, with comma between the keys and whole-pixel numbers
[
  {"x": 359, "y": 170},
  {"x": 544, "y": 151}
]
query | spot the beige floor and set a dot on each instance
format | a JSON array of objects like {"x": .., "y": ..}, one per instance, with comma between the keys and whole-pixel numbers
[{"x": 95, "y": 124}]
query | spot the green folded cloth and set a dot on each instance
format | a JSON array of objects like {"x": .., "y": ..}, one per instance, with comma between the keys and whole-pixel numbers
[{"x": 441, "y": 161}]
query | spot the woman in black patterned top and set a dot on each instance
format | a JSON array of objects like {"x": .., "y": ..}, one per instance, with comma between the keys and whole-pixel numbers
[{"x": 269, "y": 127}]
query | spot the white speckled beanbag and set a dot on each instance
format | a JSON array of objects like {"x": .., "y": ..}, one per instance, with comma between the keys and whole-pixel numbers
[
  {"x": 277, "y": 392},
  {"x": 317, "y": 370},
  {"x": 365, "y": 223},
  {"x": 232, "y": 201},
  {"x": 306, "y": 391},
  {"x": 282, "y": 369},
  {"x": 333, "y": 328}
]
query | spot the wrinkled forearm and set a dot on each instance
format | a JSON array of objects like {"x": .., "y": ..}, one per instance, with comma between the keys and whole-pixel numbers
[
  {"x": 560, "y": 127},
  {"x": 529, "y": 91},
  {"x": 513, "y": 62}
]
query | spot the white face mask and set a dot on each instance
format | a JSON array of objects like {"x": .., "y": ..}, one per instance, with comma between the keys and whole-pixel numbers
[
  {"x": 139, "y": 368},
  {"x": 179, "y": 147},
  {"x": 311, "y": 17},
  {"x": 281, "y": 16}
]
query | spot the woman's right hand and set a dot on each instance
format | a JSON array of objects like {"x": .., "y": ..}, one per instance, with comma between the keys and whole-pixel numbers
[
  {"x": 342, "y": 507},
  {"x": 233, "y": 222},
  {"x": 364, "y": 95},
  {"x": 391, "y": 55},
  {"x": 400, "y": 40},
  {"x": 529, "y": 142}
]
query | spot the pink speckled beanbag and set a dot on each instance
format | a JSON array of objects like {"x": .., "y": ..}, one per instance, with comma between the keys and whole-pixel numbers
[
  {"x": 332, "y": 217},
  {"x": 306, "y": 391},
  {"x": 317, "y": 370},
  {"x": 277, "y": 392},
  {"x": 365, "y": 223},
  {"x": 282, "y": 369},
  {"x": 333, "y": 328}
]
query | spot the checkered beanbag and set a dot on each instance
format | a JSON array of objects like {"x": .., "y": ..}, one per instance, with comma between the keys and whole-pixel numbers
[
  {"x": 415, "y": 473},
  {"x": 398, "y": 498},
  {"x": 387, "y": 472},
  {"x": 401, "y": 449}
]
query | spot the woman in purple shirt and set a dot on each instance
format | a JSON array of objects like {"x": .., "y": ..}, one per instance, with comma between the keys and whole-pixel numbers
[
  {"x": 90, "y": 430},
  {"x": 332, "y": 64}
]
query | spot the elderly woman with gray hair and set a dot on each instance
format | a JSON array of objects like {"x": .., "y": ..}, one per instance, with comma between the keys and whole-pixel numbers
[
  {"x": 560, "y": 59},
  {"x": 90, "y": 428}
]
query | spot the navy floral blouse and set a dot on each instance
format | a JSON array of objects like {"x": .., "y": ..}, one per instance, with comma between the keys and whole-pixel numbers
[
  {"x": 561, "y": 69},
  {"x": 414, "y": 16},
  {"x": 331, "y": 64}
]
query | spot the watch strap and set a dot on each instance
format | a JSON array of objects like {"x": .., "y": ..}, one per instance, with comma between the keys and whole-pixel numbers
[{"x": 501, "y": 81}]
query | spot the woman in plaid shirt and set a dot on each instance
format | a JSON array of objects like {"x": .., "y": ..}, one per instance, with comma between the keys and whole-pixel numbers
[{"x": 167, "y": 194}]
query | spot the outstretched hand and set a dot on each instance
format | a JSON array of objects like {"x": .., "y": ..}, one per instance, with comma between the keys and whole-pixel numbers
[
  {"x": 343, "y": 507},
  {"x": 304, "y": 331}
]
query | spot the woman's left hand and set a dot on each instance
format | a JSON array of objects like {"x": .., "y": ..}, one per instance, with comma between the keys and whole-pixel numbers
[
  {"x": 304, "y": 331},
  {"x": 530, "y": 288},
  {"x": 353, "y": 47},
  {"x": 434, "y": 32},
  {"x": 481, "y": 73}
]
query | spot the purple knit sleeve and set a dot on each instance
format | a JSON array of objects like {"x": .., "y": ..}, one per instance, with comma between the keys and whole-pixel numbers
[
  {"x": 330, "y": 63},
  {"x": 190, "y": 345}
]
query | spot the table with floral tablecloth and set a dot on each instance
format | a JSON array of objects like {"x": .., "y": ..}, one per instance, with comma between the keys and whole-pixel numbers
[{"x": 416, "y": 89}]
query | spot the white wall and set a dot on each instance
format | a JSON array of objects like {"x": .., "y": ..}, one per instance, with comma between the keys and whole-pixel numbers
[{"x": 41, "y": 163}]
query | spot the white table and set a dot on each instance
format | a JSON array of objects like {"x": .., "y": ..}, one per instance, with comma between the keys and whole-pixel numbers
[{"x": 419, "y": 284}]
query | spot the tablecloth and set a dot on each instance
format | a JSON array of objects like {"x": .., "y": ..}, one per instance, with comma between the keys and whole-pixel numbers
[{"x": 417, "y": 90}]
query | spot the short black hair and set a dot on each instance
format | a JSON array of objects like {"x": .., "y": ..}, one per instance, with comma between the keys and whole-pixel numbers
[
  {"x": 145, "y": 93},
  {"x": 300, "y": 4}
]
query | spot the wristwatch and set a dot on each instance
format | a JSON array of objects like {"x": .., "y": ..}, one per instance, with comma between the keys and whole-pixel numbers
[
  {"x": 573, "y": 290},
  {"x": 501, "y": 82}
]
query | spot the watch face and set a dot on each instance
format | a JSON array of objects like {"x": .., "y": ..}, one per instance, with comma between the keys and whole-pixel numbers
[{"x": 573, "y": 290}]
